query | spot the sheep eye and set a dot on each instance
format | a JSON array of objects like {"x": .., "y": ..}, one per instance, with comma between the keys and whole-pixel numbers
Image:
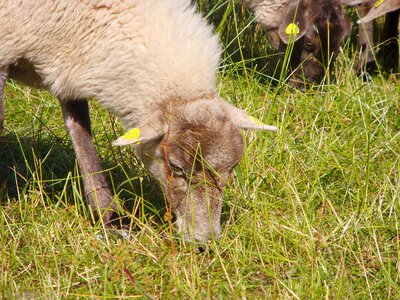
[
  {"x": 176, "y": 168},
  {"x": 308, "y": 45}
]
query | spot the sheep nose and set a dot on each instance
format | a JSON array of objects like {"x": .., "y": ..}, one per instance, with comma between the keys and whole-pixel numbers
[
  {"x": 203, "y": 244},
  {"x": 203, "y": 248}
]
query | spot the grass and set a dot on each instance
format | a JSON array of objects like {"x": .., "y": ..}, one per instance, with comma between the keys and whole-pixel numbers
[{"x": 310, "y": 212}]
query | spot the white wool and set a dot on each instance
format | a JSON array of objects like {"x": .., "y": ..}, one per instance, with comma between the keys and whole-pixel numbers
[{"x": 128, "y": 54}]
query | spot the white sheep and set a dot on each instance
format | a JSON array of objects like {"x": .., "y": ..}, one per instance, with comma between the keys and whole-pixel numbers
[
  {"x": 316, "y": 26},
  {"x": 153, "y": 64}
]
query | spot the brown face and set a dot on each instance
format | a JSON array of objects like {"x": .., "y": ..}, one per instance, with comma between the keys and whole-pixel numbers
[
  {"x": 201, "y": 156},
  {"x": 323, "y": 27},
  {"x": 193, "y": 160}
]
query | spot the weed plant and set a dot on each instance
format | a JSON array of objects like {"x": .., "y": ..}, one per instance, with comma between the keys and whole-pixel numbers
[{"x": 309, "y": 213}]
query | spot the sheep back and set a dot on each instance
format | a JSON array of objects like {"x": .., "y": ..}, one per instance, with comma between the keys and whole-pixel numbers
[{"x": 131, "y": 55}]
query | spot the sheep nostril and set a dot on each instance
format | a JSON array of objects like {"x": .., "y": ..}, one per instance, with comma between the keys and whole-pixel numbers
[
  {"x": 204, "y": 248},
  {"x": 201, "y": 249}
]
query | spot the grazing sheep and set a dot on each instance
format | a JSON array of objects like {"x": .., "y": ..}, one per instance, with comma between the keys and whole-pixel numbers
[
  {"x": 365, "y": 34},
  {"x": 370, "y": 10},
  {"x": 390, "y": 36},
  {"x": 319, "y": 27},
  {"x": 153, "y": 64},
  {"x": 380, "y": 8}
]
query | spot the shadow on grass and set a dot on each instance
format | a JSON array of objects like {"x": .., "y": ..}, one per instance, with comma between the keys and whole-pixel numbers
[{"x": 48, "y": 165}]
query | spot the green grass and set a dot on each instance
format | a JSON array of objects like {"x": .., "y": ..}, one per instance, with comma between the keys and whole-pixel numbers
[{"x": 310, "y": 212}]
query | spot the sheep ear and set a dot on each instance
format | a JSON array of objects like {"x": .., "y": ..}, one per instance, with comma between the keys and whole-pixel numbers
[
  {"x": 243, "y": 120},
  {"x": 380, "y": 8},
  {"x": 139, "y": 135},
  {"x": 351, "y": 2},
  {"x": 294, "y": 23}
]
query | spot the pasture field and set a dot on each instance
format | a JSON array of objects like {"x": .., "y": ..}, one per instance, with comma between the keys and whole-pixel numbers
[{"x": 311, "y": 212}]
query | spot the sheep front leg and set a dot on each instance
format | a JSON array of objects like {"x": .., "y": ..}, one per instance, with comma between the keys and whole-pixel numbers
[
  {"x": 3, "y": 78},
  {"x": 97, "y": 192}
]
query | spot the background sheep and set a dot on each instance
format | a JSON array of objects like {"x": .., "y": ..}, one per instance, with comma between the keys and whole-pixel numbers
[
  {"x": 370, "y": 10},
  {"x": 380, "y": 8},
  {"x": 320, "y": 26},
  {"x": 365, "y": 35},
  {"x": 390, "y": 35},
  {"x": 153, "y": 64}
]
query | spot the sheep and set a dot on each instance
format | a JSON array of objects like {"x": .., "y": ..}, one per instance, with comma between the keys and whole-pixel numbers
[
  {"x": 365, "y": 35},
  {"x": 153, "y": 64},
  {"x": 380, "y": 8},
  {"x": 390, "y": 36},
  {"x": 318, "y": 26},
  {"x": 370, "y": 10}
]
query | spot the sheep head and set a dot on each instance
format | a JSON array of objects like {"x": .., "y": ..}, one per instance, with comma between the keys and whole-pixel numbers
[
  {"x": 192, "y": 147},
  {"x": 316, "y": 29}
]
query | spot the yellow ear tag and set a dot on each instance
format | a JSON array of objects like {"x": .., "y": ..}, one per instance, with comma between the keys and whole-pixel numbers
[
  {"x": 132, "y": 135},
  {"x": 293, "y": 29},
  {"x": 256, "y": 120},
  {"x": 377, "y": 3}
]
